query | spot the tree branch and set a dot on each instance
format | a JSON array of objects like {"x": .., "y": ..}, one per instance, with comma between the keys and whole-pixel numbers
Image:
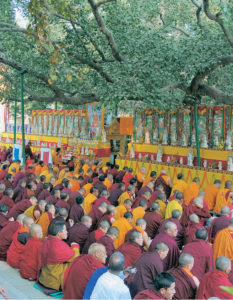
[
  {"x": 216, "y": 94},
  {"x": 11, "y": 27},
  {"x": 98, "y": 4},
  {"x": 198, "y": 12},
  {"x": 218, "y": 19},
  {"x": 174, "y": 27},
  {"x": 106, "y": 31}
]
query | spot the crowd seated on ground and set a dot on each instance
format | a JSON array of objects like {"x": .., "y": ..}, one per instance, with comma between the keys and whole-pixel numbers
[{"x": 94, "y": 231}]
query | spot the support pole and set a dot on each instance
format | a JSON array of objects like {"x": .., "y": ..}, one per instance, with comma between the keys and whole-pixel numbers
[
  {"x": 22, "y": 72},
  {"x": 15, "y": 114},
  {"x": 56, "y": 105},
  {"x": 197, "y": 134}
]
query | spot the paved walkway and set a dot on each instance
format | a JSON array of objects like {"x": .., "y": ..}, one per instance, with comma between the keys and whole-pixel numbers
[{"x": 17, "y": 287}]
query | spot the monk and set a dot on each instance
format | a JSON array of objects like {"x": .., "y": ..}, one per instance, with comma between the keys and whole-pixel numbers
[
  {"x": 149, "y": 187},
  {"x": 116, "y": 193},
  {"x": 122, "y": 209},
  {"x": 223, "y": 197},
  {"x": 18, "y": 176},
  {"x": 78, "y": 233},
  {"x": 21, "y": 206},
  {"x": 128, "y": 176},
  {"x": 46, "y": 218},
  {"x": 148, "y": 266},
  {"x": 54, "y": 197},
  {"x": 56, "y": 256},
  {"x": 8, "y": 181},
  {"x": 77, "y": 211},
  {"x": 7, "y": 198},
  {"x": 211, "y": 282},
  {"x": 108, "y": 239},
  {"x": 7, "y": 233},
  {"x": 94, "y": 236},
  {"x": 35, "y": 211},
  {"x": 191, "y": 191},
  {"x": 186, "y": 282},
  {"x": 129, "y": 194},
  {"x": 29, "y": 258},
  {"x": 167, "y": 237},
  {"x": 150, "y": 178},
  {"x": 132, "y": 249},
  {"x": 175, "y": 204},
  {"x": 176, "y": 217},
  {"x": 108, "y": 181},
  {"x": 63, "y": 201},
  {"x": 96, "y": 214},
  {"x": 103, "y": 198},
  {"x": 145, "y": 196},
  {"x": 165, "y": 181},
  {"x": 141, "y": 176},
  {"x": 100, "y": 185},
  {"x": 87, "y": 187},
  {"x": 180, "y": 185},
  {"x": 123, "y": 225},
  {"x": 211, "y": 192},
  {"x": 3, "y": 215},
  {"x": 20, "y": 192},
  {"x": 153, "y": 220},
  {"x": 164, "y": 288},
  {"x": 223, "y": 243},
  {"x": 139, "y": 212},
  {"x": 45, "y": 192},
  {"x": 56, "y": 157},
  {"x": 219, "y": 223},
  {"x": 202, "y": 252},
  {"x": 19, "y": 241},
  {"x": 89, "y": 199},
  {"x": 39, "y": 186},
  {"x": 190, "y": 230},
  {"x": 162, "y": 204}
]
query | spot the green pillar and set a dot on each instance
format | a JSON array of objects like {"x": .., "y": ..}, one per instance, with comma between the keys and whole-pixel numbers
[
  {"x": 116, "y": 108},
  {"x": 22, "y": 72},
  {"x": 197, "y": 134},
  {"x": 15, "y": 113},
  {"x": 56, "y": 105}
]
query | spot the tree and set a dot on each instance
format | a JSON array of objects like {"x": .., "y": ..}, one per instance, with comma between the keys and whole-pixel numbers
[{"x": 159, "y": 52}]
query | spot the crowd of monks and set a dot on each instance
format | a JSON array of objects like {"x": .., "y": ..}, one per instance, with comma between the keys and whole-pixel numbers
[{"x": 61, "y": 224}]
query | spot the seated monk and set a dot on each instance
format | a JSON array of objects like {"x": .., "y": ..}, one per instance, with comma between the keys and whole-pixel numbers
[
  {"x": 56, "y": 157},
  {"x": 36, "y": 210},
  {"x": 109, "y": 215},
  {"x": 223, "y": 197},
  {"x": 77, "y": 211},
  {"x": 149, "y": 187},
  {"x": 170, "y": 232},
  {"x": 190, "y": 230},
  {"x": 141, "y": 227},
  {"x": 3, "y": 215},
  {"x": 116, "y": 193},
  {"x": 39, "y": 186},
  {"x": 46, "y": 218},
  {"x": 78, "y": 233},
  {"x": 165, "y": 181},
  {"x": 129, "y": 194},
  {"x": 108, "y": 181},
  {"x": 212, "y": 281},
  {"x": 148, "y": 266},
  {"x": 145, "y": 196},
  {"x": 175, "y": 204},
  {"x": 223, "y": 243},
  {"x": 108, "y": 239},
  {"x": 202, "y": 252},
  {"x": 123, "y": 225},
  {"x": 20, "y": 192},
  {"x": 85, "y": 265},
  {"x": 89, "y": 199},
  {"x": 103, "y": 198},
  {"x": 7, "y": 198},
  {"x": 29, "y": 258},
  {"x": 63, "y": 201},
  {"x": 127, "y": 177},
  {"x": 19, "y": 241},
  {"x": 54, "y": 197},
  {"x": 94, "y": 236},
  {"x": 164, "y": 288},
  {"x": 211, "y": 192},
  {"x": 141, "y": 176},
  {"x": 219, "y": 223},
  {"x": 7, "y": 233},
  {"x": 96, "y": 214},
  {"x": 191, "y": 191},
  {"x": 151, "y": 178},
  {"x": 45, "y": 192},
  {"x": 21, "y": 206},
  {"x": 161, "y": 199},
  {"x": 56, "y": 256},
  {"x": 153, "y": 220},
  {"x": 186, "y": 282},
  {"x": 122, "y": 209},
  {"x": 139, "y": 212},
  {"x": 180, "y": 185},
  {"x": 132, "y": 249},
  {"x": 87, "y": 187},
  {"x": 100, "y": 185}
]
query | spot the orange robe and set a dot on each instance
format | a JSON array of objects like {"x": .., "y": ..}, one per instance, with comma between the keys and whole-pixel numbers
[
  {"x": 124, "y": 226},
  {"x": 180, "y": 185},
  {"x": 138, "y": 213},
  {"x": 162, "y": 210},
  {"x": 87, "y": 187},
  {"x": 140, "y": 176},
  {"x": 211, "y": 192},
  {"x": 30, "y": 212},
  {"x": 223, "y": 244},
  {"x": 222, "y": 199},
  {"x": 75, "y": 185},
  {"x": 56, "y": 158},
  {"x": 85, "y": 168},
  {"x": 147, "y": 180},
  {"x": 191, "y": 192},
  {"x": 38, "y": 169},
  {"x": 87, "y": 204},
  {"x": 44, "y": 222},
  {"x": 124, "y": 196},
  {"x": 107, "y": 183},
  {"x": 121, "y": 210}
]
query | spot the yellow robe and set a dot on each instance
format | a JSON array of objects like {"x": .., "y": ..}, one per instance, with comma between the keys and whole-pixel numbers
[
  {"x": 221, "y": 200},
  {"x": 190, "y": 192},
  {"x": 211, "y": 192},
  {"x": 107, "y": 183},
  {"x": 172, "y": 206},
  {"x": 124, "y": 196},
  {"x": 162, "y": 210},
  {"x": 48, "y": 177},
  {"x": 85, "y": 168},
  {"x": 121, "y": 210},
  {"x": 140, "y": 176},
  {"x": 62, "y": 174},
  {"x": 138, "y": 213},
  {"x": 124, "y": 226},
  {"x": 87, "y": 188},
  {"x": 87, "y": 204},
  {"x": 13, "y": 165},
  {"x": 44, "y": 222},
  {"x": 29, "y": 212},
  {"x": 223, "y": 244},
  {"x": 180, "y": 185}
]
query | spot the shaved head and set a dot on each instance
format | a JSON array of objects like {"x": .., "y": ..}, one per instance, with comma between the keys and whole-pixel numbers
[
  {"x": 194, "y": 218},
  {"x": 27, "y": 222},
  {"x": 225, "y": 210},
  {"x": 20, "y": 218},
  {"x": 186, "y": 259},
  {"x": 161, "y": 246},
  {"x": 155, "y": 206},
  {"x": 223, "y": 264},
  {"x": 36, "y": 231},
  {"x": 198, "y": 200}
]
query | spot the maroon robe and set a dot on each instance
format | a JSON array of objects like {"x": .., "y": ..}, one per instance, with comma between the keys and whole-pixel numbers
[
  {"x": 167, "y": 188},
  {"x": 190, "y": 232},
  {"x": 98, "y": 201},
  {"x": 6, "y": 236},
  {"x": 82, "y": 268},
  {"x": 59, "y": 186},
  {"x": 203, "y": 257},
  {"x": 93, "y": 237},
  {"x": 210, "y": 286},
  {"x": 2, "y": 174},
  {"x": 203, "y": 214},
  {"x": 157, "y": 193},
  {"x": 43, "y": 195},
  {"x": 114, "y": 195},
  {"x": 230, "y": 276},
  {"x": 72, "y": 197},
  {"x": 149, "y": 294},
  {"x": 107, "y": 241},
  {"x": 96, "y": 215},
  {"x": 3, "y": 220},
  {"x": 120, "y": 174},
  {"x": 63, "y": 204},
  {"x": 180, "y": 234},
  {"x": 76, "y": 213},
  {"x": 185, "y": 285},
  {"x": 39, "y": 188},
  {"x": 153, "y": 221},
  {"x": 100, "y": 187},
  {"x": 8, "y": 201},
  {"x": 137, "y": 200},
  {"x": 131, "y": 252},
  {"x": 51, "y": 199},
  {"x": 7, "y": 184},
  {"x": 147, "y": 189},
  {"x": 18, "y": 176},
  {"x": 19, "y": 194},
  {"x": 19, "y": 208},
  {"x": 173, "y": 255},
  {"x": 113, "y": 187},
  {"x": 148, "y": 266},
  {"x": 78, "y": 234},
  {"x": 217, "y": 225}
]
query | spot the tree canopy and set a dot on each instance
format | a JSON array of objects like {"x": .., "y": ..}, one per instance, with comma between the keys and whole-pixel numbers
[{"x": 78, "y": 51}]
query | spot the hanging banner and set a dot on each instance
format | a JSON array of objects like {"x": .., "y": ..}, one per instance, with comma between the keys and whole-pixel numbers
[
  {"x": 161, "y": 123},
  {"x": 61, "y": 123},
  {"x": 139, "y": 126},
  {"x": 126, "y": 125},
  {"x": 50, "y": 122},
  {"x": 218, "y": 122},
  {"x": 17, "y": 152},
  {"x": 40, "y": 122},
  {"x": 173, "y": 123},
  {"x": 202, "y": 121},
  {"x": 95, "y": 120},
  {"x": 150, "y": 120},
  {"x": 76, "y": 117},
  {"x": 83, "y": 126},
  {"x": 45, "y": 122},
  {"x": 35, "y": 122},
  {"x": 69, "y": 123},
  {"x": 46, "y": 156},
  {"x": 55, "y": 122}
]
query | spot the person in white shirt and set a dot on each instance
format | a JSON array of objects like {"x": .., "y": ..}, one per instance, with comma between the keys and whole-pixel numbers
[{"x": 110, "y": 285}]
